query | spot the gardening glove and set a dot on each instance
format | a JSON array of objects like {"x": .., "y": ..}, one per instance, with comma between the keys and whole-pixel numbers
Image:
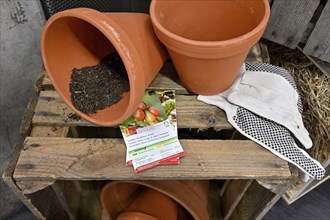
[
  {"x": 270, "y": 92},
  {"x": 272, "y": 135}
]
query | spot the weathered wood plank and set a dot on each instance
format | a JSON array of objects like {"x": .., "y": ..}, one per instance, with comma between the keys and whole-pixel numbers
[
  {"x": 301, "y": 188},
  {"x": 7, "y": 177},
  {"x": 41, "y": 209},
  {"x": 99, "y": 159},
  {"x": 46, "y": 201},
  {"x": 257, "y": 201},
  {"x": 70, "y": 194},
  {"x": 191, "y": 113},
  {"x": 49, "y": 131},
  {"x": 289, "y": 20},
  {"x": 322, "y": 65},
  {"x": 224, "y": 187},
  {"x": 233, "y": 195},
  {"x": 26, "y": 124},
  {"x": 39, "y": 84},
  {"x": 36, "y": 189},
  {"x": 32, "y": 186},
  {"x": 318, "y": 44},
  {"x": 214, "y": 202},
  {"x": 89, "y": 203}
]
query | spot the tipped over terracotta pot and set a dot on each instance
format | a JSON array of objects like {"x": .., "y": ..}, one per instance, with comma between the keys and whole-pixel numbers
[
  {"x": 81, "y": 37},
  {"x": 209, "y": 40},
  {"x": 159, "y": 199}
]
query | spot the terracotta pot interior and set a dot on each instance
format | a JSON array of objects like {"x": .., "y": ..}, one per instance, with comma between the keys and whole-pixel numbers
[
  {"x": 124, "y": 197},
  {"x": 74, "y": 43},
  {"x": 214, "y": 25}
]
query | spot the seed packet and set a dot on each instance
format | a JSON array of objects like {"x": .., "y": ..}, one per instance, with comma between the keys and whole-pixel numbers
[{"x": 150, "y": 133}]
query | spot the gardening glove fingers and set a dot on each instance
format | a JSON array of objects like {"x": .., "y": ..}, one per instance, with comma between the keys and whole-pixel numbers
[{"x": 270, "y": 135}]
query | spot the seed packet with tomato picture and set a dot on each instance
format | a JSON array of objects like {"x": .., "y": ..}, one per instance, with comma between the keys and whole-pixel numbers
[{"x": 150, "y": 133}]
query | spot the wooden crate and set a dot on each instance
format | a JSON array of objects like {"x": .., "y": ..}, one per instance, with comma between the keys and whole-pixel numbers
[
  {"x": 64, "y": 161},
  {"x": 300, "y": 188},
  {"x": 303, "y": 24}
]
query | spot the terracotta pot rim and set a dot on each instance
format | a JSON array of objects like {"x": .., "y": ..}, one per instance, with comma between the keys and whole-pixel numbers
[
  {"x": 114, "y": 34},
  {"x": 234, "y": 42}
]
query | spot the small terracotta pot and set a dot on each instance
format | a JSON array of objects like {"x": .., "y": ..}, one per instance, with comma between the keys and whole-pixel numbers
[
  {"x": 118, "y": 197},
  {"x": 153, "y": 204},
  {"x": 208, "y": 40},
  {"x": 82, "y": 37}
]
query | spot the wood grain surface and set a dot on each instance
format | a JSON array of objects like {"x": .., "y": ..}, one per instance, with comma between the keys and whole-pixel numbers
[{"x": 101, "y": 159}]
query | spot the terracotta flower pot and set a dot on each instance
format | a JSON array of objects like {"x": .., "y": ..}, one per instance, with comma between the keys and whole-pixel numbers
[
  {"x": 207, "y": 40},
  {"x": 135, "y": 216},
  {"x": 118, "y": 197},
  {"x": 82, "y": 37},
  {"x": 151, "y": 204}
]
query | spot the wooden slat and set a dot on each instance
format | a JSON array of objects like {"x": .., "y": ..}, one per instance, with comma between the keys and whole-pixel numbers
[
  {"x": 38, "y": 85},
  {"x": 49, "y": 131},
  {"x": 191, "y": 113},
  {"x": 289, "y": 20},
  {"x": 99, "y": 159},
  {"x": 47, "y": 203},
  {"x": 322, "y": 65},
  {"x": 301, "y": 188},
  {"x": 69, "y": 192},
  {"x": 233, "y": 195},
  {"x": 89, "y": 204},
  {"x": 31, "y": 186},
  {"x": 56, "y": 207},
  {"x": 214, "y": 202},
  {"x": 318, "y": 44},
  {"x": 26, "y": 124},
  {"x": 7, "y": 177},
  {"x": 257, "y": 201},
  {"x": 62, "y": 200}
]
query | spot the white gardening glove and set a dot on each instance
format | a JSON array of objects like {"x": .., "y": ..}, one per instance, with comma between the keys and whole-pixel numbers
[
  {"x": 269, "y": 134},
  {"x": 272, "y": 95}
]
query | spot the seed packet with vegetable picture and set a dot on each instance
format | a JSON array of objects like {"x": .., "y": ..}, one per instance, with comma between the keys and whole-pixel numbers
[{"x": 150, "y": 133}]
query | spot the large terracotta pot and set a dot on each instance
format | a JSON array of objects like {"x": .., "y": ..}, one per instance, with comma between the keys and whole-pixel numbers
[
  {"x": 119, "y": 199},
  {"x": 209, "y": 40},
  {"x": 82, "y": 37},
  {"x": 151, "y": 204}
]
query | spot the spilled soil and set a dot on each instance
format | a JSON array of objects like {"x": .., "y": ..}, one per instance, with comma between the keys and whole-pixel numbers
[{"x": 97, "y": 87}]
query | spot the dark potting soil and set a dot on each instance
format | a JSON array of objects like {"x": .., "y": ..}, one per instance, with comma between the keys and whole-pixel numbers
[{"x": 97, "y": 87}]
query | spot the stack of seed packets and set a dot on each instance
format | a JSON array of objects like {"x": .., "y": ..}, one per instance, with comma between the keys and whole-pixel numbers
[{"x": 151, "y": 134}]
